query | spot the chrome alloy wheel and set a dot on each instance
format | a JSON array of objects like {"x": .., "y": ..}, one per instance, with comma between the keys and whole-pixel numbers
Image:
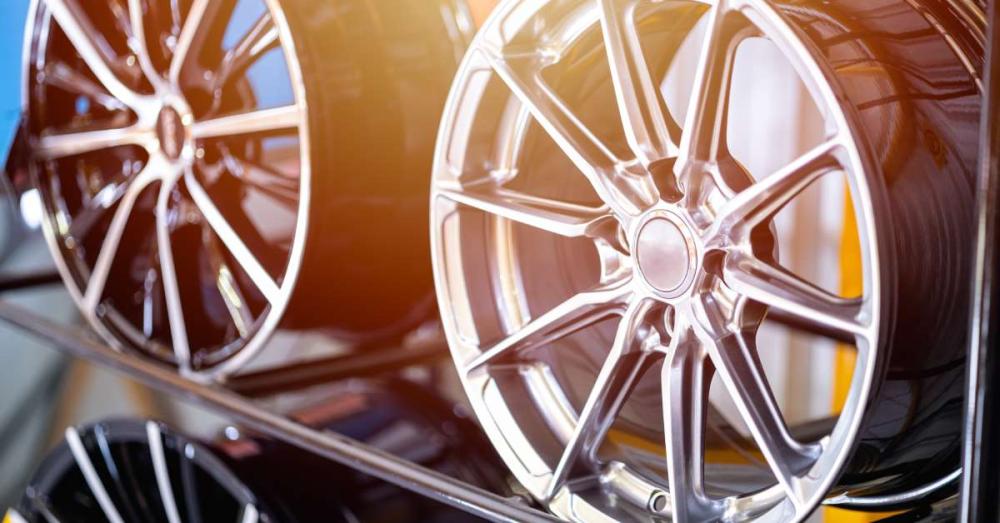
[
  {"x": 120, "y": 470},
  {"x": 171, "y": 150},
  {"x": 601, "y": 256}
]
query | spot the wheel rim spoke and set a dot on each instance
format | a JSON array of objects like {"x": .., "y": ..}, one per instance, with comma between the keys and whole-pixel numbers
[
  {"x": 175, "y": 16},
  {"x": 261, "y": 121},
  {"x": 232, "y": 240},
  {"x": 122, "y": 17},
  {"x": 569, "y": 316},
  {"x": 266, "y": 179},
  {"x": 100, "y": 435},
  {"x": 141, "y": 44},
  {"x": 229, "y": 290},
  {"x": 83, "y": 461},
  {"x": 648, "y": 125},
  {"x": 109, "y": 247},
  {"x": 189, "y": 484},
  {"x": 82, "y": 35},
  {"x": 685, "y": 382},
  {"x": 171, "y": 288},
  {"x": 269, "y": 182},
  {"x": 737, "y": 364},
  {"x": 96, "y": 207},
  {"x": 626, "y": 193},
  {"x": 614, "y": 384},
  {"x": 261, "y": 38},
  {"x": 56, "y": 146},
  {"x": 162, "y": 474},
  {"x": 563, "y": 219},
  {"x": 764, "y": 199},
  {"x": 704, "y": 127},
  {"x": 68, "y": 79},
  {"x": 149, "y": 300},
  {"x": 199, "y": 14},
  {"x": 782, "y": 290},
  {"x": 42, "y": 506},
  {"x": 250, "y": 514}
]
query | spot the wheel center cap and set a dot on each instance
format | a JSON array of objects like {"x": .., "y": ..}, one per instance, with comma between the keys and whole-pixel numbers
[
  {"x": 665, "y": 254},
  {"x": 171, "y": 133}
]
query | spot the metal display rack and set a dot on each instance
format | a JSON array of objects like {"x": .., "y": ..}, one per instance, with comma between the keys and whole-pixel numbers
[
  {"x": 980, "y": 484},
  {"x": 981, "y": 460}
]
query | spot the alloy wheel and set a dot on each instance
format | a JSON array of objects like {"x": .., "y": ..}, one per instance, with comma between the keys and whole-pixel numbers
[
  {"x": 678, "y": 239},
  {"x": 171, "y": 149}
]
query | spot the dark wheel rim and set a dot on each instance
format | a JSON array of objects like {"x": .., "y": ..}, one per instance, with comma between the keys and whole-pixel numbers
[
  {"x": 170, "y": 148},
  {"x": 129, "y": 471}
]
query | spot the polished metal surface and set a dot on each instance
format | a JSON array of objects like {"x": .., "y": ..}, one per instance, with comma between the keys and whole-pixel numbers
[
  {"x": 587, "y": 236},
  {"x": 981, "y": 461}
]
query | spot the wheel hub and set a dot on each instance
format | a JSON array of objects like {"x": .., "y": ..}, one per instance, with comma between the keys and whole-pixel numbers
[
  {"x": 171, "y": 132},
  {"x": 665, "y": 253}
]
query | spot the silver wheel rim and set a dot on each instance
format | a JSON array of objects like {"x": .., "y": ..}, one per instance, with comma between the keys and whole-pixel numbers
[
  {"x": 172, "y": 136},
  {"x": 704, "y": 306}
]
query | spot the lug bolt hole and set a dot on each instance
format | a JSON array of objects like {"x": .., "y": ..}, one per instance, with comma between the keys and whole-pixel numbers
[{"x": 658, "y": 501}]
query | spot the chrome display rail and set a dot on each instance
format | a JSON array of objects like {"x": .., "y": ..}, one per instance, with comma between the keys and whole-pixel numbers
[
  {"x": 241, "y": 408},
  {"x": 981, "y": 460}
]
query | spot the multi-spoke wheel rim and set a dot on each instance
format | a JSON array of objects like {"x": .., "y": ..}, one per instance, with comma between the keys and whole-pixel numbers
[
  {"x": 672, "y": 195},
  {"x": 130, "y": 471},
  {"x": 149, "y": 140}
]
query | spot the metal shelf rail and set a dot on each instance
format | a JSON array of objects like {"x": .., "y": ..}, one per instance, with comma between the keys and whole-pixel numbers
[
  {"x": 80, "y": 342},
  {"x": 981, "y": 460}
]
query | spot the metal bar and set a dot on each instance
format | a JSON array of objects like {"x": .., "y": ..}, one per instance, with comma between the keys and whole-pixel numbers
[
  {"x": 26, "y": 280},
  {"x": 349, "y": 452},
  {"x": 367, "y": 362},
  {"x": 981, "y": 459}
]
